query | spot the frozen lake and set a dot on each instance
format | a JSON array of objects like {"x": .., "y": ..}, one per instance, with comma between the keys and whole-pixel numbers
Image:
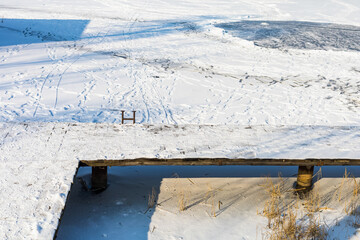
[{"x": 296, "y": 34}]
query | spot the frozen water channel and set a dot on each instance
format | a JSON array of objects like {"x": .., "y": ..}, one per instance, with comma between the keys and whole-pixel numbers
[{"x": 120, "y": 212}]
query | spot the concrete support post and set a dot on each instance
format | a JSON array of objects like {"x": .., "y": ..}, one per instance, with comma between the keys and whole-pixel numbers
[
  {"x": 99, "y": 178},
  {"x": 304, "y": 178}
]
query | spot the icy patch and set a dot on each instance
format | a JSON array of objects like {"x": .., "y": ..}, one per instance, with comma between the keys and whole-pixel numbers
[{"x": 296, "y": 34}]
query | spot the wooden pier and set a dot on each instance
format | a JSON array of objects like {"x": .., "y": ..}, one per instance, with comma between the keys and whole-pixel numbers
[{"x": 304, "y": 177}]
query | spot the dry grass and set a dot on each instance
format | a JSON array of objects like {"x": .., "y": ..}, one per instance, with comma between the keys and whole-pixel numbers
[
  {"x": 182, "y": 201},
  {"x": 214, "y": 203},
  {"x": 180, "y": 193},
  {"x": 351, "y": 206},
  {"x": 312, "y": 202},
  {"x": 348, "y": 194},
  {"x": 272, "y": 206},
  {"x": 151, "y": 199},
  {"x": 344, "y": 183},
  {"x": 301, "y": 218},
  {"x": 287, "y": 218},
  {"x": 183, "y": 197},
  {"x": 210, "y": 195}
]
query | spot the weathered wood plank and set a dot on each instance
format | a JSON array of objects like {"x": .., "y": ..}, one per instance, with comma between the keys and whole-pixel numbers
[{"x": 219, "y": 162}]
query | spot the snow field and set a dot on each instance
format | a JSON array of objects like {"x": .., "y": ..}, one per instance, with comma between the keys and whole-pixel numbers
[
  {"x": 81, "y": 62},
  {"x": 173, "y": 68}
]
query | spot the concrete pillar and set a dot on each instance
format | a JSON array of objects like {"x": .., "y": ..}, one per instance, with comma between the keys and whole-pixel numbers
[
  {"x": 304, "y": 178},
  {"x": 98, "y": 178}
]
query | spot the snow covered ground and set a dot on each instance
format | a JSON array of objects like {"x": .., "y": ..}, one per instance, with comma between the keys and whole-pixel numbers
[
  {"x": 181, "y": 62},
  {"x": 289, "y": 69}
]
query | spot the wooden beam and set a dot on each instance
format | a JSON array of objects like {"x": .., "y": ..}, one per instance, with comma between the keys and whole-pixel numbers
[
  {"x": 304, "y": 178},
  {"x": 220, "y": 161}
]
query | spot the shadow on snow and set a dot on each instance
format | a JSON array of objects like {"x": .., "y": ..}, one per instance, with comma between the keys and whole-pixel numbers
[
  {"x": 121, "y": 211},
  {"x": 28, "y": 31}
]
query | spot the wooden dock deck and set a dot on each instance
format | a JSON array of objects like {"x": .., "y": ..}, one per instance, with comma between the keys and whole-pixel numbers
[
  {"x": 220, "y": 162},
  {"x": 304, "y": 177}
]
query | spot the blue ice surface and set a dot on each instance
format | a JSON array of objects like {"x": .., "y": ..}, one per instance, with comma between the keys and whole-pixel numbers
[
  {"x": 28, "y": 31},
  {"x": 296, "y": 34}
]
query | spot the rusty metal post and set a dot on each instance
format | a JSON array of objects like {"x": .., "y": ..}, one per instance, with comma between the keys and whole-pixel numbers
[
  {"x": 304, "y": 178},
  {"x": 134, "y": 116},
  {"x": 123, "y": 118},
  {"x": 98, "y": 178}
]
